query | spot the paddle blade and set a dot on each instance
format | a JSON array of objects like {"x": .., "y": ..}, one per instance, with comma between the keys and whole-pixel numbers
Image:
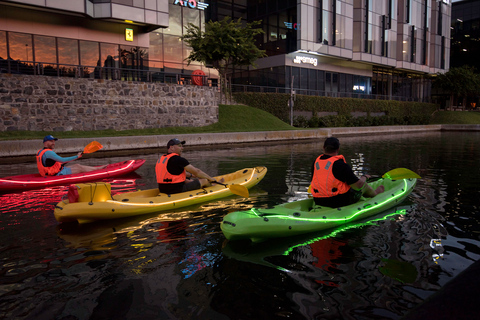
[
  {"x": 400, "y": 173},
  {"x": 239, "y": 190},
  {"x": 92, "y": 147}
]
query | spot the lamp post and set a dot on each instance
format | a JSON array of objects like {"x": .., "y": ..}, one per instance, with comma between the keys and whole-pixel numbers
[{"x": 26, "y": 50}]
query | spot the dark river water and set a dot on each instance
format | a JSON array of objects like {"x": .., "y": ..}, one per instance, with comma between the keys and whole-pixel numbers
[{"x": 178, "y": 265}]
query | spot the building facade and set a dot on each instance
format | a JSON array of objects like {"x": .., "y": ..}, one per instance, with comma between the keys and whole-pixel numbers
[
  {"x": 465, "y": 31},
  {"x": 351, "y": 48},
  {"x": 383, "y": 49}
]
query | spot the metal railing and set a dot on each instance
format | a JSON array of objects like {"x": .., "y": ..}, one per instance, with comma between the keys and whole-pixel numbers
[
  {"x": 97, "y": 72},
  {"x": 266, "y": 89},
  {"x": 157, "y": 75}
]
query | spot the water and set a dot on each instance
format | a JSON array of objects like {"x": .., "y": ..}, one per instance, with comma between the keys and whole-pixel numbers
[{"x": 178, "y": 265}]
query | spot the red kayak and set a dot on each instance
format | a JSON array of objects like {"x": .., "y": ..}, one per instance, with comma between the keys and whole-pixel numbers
[{"x": 36, "y": 181}]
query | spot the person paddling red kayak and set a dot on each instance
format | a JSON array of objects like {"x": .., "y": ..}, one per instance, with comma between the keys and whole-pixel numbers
[{"x": 49, "y": 163}]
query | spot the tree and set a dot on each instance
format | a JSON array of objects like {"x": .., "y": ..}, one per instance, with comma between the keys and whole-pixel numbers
[
  {"x": 224, "y": 45},
  {"x": 461, "y": 82}
]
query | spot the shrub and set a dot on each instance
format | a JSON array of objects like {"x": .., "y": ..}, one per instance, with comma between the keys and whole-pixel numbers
[{"x": 396, "y": 112}]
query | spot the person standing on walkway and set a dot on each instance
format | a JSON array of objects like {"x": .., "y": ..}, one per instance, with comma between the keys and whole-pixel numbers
[
  {"x": 49, "y": 163},
  {"x": 175, "y": 174},
  {"x": 333, "y": 182}
]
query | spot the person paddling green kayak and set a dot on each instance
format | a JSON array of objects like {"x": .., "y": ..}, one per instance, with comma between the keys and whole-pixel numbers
[{"x": 334, "y": 184}]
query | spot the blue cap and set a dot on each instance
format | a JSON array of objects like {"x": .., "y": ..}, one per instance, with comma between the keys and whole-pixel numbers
[{"x": 49, "y": 138}]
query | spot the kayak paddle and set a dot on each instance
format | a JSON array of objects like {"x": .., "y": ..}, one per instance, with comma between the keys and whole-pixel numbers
[
  {"x": 394, "y": 174},
  {"x": 400, "y": 173},
  {"x": 92, "y": 147},
  {"x": 237, "y": 189}
]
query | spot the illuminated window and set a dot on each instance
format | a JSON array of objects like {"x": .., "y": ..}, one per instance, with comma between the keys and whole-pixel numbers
[{"x": 68, "y": 51}]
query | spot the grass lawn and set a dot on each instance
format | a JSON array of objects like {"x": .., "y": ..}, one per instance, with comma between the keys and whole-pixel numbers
[
  {"x": 456, "y": 117},
  {"x": 231, "y": 118}
]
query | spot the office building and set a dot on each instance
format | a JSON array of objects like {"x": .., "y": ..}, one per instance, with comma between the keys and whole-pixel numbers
[
  {"x": 465, "y": 34},
  {"x": 383, "y": 49}
]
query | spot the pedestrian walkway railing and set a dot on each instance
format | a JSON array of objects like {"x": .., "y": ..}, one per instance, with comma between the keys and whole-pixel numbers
[
  {"x": 158, "y": 75},
  {"x": 97, "y": 72}
]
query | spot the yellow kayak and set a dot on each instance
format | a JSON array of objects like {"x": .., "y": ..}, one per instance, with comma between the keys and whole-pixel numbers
[{"x": 94, "y": 201}]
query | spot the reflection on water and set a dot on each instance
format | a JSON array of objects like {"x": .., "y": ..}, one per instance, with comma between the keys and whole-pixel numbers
[{"x": 178, "y": 265}]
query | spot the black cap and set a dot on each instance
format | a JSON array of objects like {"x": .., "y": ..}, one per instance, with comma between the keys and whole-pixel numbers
[
  {"x": 331, "y": 143},
  {"x": 173, "y": 142}
]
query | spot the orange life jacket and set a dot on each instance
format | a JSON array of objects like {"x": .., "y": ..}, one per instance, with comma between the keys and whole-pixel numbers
[
  {"x": 163, "y": 176},
  {"x": 324, "y": 184},
  {"x": 47, "y": 171}
]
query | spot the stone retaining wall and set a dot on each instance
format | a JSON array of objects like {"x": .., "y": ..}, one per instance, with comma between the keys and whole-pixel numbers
[{"x": 41, "y": 103}]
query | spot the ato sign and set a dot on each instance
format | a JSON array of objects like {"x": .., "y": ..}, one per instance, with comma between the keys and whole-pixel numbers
[{"x": 192, "y": 4}]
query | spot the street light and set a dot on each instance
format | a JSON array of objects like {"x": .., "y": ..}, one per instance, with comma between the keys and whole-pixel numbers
[{"x": 26, "y": 50}]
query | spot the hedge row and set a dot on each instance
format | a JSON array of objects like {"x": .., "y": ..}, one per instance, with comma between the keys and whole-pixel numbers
[{"x": 393, "y": 112}]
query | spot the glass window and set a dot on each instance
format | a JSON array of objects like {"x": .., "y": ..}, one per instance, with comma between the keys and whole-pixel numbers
[
  {"x": 335, "y": 82},
  {"x": 45, "y": 49},
  {"x": 3, "y": 45},
  {"x": 296, "y": 77},
  {"x": 67, "y": 51},
  {"x": 132, "y": 58},
  {"x": 340, "y": 31},
  {"x": 172, "y": 48},
  {"x": 280, "y": 71},
  {"x": 90, "y": 59},
  {"x": 348, "y": 83},
  {"x": 109, "y": 55},
  {"x": 89, "y": 54},
  {"x": 174, "y": 20},
  {"x": 20, "y": 45},
  {"x": 312, "y": 79},
  {"x": 405, "y": 49},
  {"x": 191, "y": 16},
  {"x": 328, "y": 82},
  {"x": 194, "y": 66},
  {"x": 303, "y": 78},
  {"x": 155, "y": 65},
  {"x": 369, "y": 48},
  {"x": 3, "y": 52},
  {"x": 321, "y": 80},
  {"x": 129, "y": 57},
  {"x": 326, "y": 27},
  {"x": 156, "y": 46}
]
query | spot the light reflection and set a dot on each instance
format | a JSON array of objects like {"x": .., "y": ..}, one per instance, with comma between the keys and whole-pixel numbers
[
  {"x": 20, "y": 45},
  {"x": 43, "y": 201},
  {"x": 258, "y": 252}
]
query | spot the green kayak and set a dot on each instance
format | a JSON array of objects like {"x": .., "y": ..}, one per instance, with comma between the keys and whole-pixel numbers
[{"x": 304, "y": 216}]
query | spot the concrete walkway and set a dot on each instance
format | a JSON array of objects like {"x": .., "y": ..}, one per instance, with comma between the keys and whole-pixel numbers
[{"x": 28, "y": 148}]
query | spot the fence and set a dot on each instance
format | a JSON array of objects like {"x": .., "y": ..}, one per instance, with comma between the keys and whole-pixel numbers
[
  {"x": 98, "y": 72},
  {"x": 155, "y": 75}
]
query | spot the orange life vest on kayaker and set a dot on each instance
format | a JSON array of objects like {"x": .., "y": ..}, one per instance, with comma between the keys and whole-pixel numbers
[
  {"x": 163, "y": 176},
  {"x": 45, "y": 170},
  {"x": 324, "y": 184}
]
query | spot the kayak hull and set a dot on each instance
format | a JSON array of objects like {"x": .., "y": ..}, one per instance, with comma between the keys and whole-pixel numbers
[
  {"x": 36, "y": 181},
  {"x": 102, "y": 205},
  {"x": 303, "y": 216}
]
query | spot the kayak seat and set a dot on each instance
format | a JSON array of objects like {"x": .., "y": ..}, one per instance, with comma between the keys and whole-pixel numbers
[{"x": 72, "y": 193}]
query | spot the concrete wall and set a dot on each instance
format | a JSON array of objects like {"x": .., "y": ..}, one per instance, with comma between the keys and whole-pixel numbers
[{"x": 41, "y": 103}]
